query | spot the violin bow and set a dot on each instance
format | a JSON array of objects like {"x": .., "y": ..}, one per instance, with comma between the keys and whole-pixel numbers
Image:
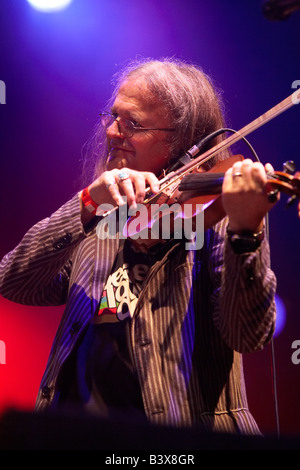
[
  {"x": 281, "y": 107},
  {"x": 195, "y": 160}
]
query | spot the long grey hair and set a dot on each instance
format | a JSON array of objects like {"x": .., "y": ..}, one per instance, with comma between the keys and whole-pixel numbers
[{"x": 189, "y": 97}]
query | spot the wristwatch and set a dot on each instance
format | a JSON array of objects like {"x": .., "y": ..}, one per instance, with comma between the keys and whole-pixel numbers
[{"x": 245, "y": 242}]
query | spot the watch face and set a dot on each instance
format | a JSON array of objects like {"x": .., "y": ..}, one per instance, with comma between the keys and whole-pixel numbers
[
  {"x": 244, "y": 246},
  {"x": 245, "y": 243}
]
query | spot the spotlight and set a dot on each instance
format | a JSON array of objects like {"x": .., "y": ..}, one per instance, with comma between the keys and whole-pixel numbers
[
  {"x": 48, "y": 6},
  {"x": 281, "y": 315}
]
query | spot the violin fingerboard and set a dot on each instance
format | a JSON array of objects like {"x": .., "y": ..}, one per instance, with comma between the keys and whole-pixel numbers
[{"x": 204, "y": 183}]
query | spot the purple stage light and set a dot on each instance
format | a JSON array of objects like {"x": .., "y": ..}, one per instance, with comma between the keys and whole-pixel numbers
[{"x": 281, "y": 315}]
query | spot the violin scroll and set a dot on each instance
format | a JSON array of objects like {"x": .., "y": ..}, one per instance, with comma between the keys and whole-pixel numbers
[
  {"x": 287, "y": 181},
  {"x": 210, "y": 183}
]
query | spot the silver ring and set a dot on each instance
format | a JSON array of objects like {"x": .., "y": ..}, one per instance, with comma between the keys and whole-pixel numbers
[
  {"x": 122, "y": 176},
  {"x": 237, "y": 173}
]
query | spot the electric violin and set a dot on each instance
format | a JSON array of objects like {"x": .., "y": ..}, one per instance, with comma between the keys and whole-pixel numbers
[{"x": 191, "y": 185}]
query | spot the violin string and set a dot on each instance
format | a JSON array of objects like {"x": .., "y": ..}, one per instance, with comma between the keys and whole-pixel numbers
[
  {"x": 238, "y": 135},
  {"x": 272, "y": 113}
]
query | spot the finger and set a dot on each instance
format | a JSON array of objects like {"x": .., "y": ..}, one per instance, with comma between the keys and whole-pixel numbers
[
  {"x": 152, "y": 181},
  {"x": 127, "y": 188},
  {"x": 236, "y": 168},
  {"x": 113, "y": 189},
  {"x": 259, "y": 174},
  {"x": 132, "y": 185},
  {"x": 109, "y": 180},
  {"x": 241, "y": 170},
  {"x": 227, "y": 180},
  {"x": 269, "y": 168},
  {"x": 252, "y": 174},
  {"x": 246, "y": 169},
  {"x": 142, "y": 181},
  {"x": 236, "y": 173}
]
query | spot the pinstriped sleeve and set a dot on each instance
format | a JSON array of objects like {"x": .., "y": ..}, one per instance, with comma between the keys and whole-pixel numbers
[
  {"x": 37, "y": 271},
  {"x": 245, "y": 308}
]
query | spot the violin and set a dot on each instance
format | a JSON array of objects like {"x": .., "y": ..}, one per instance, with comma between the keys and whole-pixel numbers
[
  {"x": 201, "y": 191},
  {"x": 209, "y": 184},
  {"x": 191, "y": 185}
]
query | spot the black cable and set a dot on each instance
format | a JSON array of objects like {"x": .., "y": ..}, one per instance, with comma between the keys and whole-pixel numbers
[
  {"x": 274, "y": 379},
  {"x": 193, "y": 153},
  {"x": 196, "y": 149},
  {"x": 275, "y": 387},
  {"x": 204, "y": 141}
]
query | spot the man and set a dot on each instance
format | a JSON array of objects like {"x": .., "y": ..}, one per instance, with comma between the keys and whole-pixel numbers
[{"x": 156, "y": 333}]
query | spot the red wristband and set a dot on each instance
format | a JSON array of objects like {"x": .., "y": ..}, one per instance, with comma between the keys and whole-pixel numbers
[{"x": 88, "y": 202}]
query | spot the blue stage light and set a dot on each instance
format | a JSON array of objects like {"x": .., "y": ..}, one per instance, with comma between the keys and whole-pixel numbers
[
  {"x": 48, "y": 6},
  {"x": 280, "y": 316}
]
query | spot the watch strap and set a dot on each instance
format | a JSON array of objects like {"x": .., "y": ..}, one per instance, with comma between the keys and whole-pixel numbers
[{"x": 245, "y": 241}]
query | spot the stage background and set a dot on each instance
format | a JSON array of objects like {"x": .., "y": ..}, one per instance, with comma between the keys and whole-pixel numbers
[{"x": 57, "y": 70}]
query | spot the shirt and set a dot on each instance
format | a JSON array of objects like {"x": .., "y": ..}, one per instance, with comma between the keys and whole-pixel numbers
[
  {"x": 198, "y": 312},
  {"x": 100, "y": 375}
]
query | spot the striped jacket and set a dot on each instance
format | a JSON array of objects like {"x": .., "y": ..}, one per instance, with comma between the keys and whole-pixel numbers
[{"x": 196, "y": 314}]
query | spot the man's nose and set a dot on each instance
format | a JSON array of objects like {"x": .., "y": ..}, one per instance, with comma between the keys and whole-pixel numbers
[{"x": 114, "y": 130}]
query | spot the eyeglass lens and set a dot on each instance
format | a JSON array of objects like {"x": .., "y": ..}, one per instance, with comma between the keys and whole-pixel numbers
[{"x": 125, "y": 126}]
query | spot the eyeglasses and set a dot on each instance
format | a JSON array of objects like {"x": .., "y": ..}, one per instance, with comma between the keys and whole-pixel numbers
[{"x": 125, "y": 126}]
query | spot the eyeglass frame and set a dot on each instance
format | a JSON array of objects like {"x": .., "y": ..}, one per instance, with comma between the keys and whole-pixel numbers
[{"x": 134, "y": 128}]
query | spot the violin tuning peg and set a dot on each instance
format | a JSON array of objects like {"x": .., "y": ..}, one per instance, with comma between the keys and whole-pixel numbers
[
  {"x": 289, "y": 167},
  {"x": 272, "y": 196},
  {"x": 291, "y": 200}
]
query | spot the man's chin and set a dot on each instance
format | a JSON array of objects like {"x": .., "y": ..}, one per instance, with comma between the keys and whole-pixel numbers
[
  {"x": 115, "y": 162},
  {"x": 120, "y": 161}
]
